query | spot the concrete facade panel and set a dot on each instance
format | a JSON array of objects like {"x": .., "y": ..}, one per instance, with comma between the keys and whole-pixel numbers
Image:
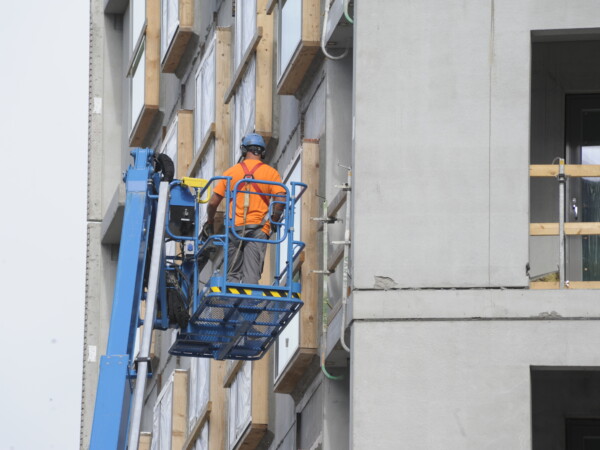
[
  {"x": 456, "y": 385},
  {"x": 422, "y": 143}
]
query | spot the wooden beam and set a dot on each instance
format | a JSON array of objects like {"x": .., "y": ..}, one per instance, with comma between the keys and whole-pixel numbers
[
  {"x": 296, "y": 69},
  {"x": 232, "y": 371},
  {"x": 571, "y": 170},
  {"x": 571, "y": 229},
  {"x": 243, "y": 65},
  {"x": 263, "y": 118},
  {"x": 180, "y": 399},
  {"x": 311, "y": 22},
  {"x": 201, "y": 152},
  {"x": 311, "y": 281},
  {"x": 185, "y": 140},
  {"x": 217, "y": 432},
  {"x": 145, "y": 440},
  {"x": 568, "y": 285},
  {"x": 335, "y": 258},
  {"x": 152, "y": 82},
  {"x": 197, "y": 428},
  {"x": 295, "y": 370},
  {"x": 223, "y": 77},
  {"x": 271, "y": 4},
  {"x": 261, "y": 370}
]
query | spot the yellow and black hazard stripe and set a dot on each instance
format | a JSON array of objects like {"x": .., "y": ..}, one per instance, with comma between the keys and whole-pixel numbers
[{"x": 265, "y": 293}]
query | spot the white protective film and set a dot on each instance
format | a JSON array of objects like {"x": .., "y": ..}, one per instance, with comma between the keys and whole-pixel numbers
[
  {"x": 240, "y": 398},
  {"x": 290, "y": 32},
  {"x": 138, "y": 81},
  {"x": 163, "y": 418},
  {"x": 205, "y": 96},
  {"x": 138, "y": 18},
  {"x": 206, "y": 171},
  {"x": 245, "y": 103},
  {"x": 245, "y": 27},
  {"x": 170, "y": 22},
  {"x": 287, "y": 343},
  {"x": 202, "y": 441},
  {"x": 199, "y": 388},
  {"x": 294, "y": 175}
]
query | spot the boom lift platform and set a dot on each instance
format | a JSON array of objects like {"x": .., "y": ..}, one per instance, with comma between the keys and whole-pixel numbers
[{"x": 219, "y": 319}]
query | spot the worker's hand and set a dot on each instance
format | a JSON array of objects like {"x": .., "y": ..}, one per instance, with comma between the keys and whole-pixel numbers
[
  {"x": 208, "y": 230},
  {"x": 274, "y": 226}
]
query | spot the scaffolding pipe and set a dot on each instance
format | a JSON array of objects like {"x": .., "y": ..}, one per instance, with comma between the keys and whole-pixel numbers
[
  {"x": 144, "y": 353},
  {"x": 346, "y": 256},
  {"x": 561, "y": 223}
]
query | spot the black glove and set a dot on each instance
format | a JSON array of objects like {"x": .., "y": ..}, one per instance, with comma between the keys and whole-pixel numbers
[
  {"x": 274, "y": 226},
  {"x": 208, "y": 230}
]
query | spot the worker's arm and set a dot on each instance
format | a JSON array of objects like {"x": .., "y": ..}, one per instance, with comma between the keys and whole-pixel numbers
[{"x": 213, "y": 204}]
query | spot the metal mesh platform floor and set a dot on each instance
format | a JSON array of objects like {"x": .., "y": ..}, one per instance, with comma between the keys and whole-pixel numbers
[{"x": 238, "y": 324}]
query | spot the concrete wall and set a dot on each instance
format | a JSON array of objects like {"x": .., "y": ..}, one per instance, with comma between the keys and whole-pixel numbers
[
  {"x": 456, "y": 384},
  {"x": 442, "y": 138}
]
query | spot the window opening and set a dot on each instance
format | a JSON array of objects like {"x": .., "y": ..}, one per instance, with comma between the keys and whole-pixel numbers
[
  {"x": 240, "y": 404},
  {"x": 244, "y": 104},
  {"x": 170, "y": 22},
  {"x": 290, "y": 31},
  {"x": 205, "y": 97},
  {"x": 137, "y": 84}
]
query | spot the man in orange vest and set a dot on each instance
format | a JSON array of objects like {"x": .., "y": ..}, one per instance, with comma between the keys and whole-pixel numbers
[{"x": 246, "y": 258}]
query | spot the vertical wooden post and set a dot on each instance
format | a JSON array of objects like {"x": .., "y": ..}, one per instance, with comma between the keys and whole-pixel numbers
[
  {"x": 180, "y": 408},
  {"x": 223, "y": 120},
  {"x": 185, "y": 140},
  {"x": 264, "y": 73},
  {"x": 309, "y": 313},
  {"x": 217, "y": 432}
]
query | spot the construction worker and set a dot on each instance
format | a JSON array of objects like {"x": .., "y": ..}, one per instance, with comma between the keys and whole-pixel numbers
[{"x": 246, "y": 258}]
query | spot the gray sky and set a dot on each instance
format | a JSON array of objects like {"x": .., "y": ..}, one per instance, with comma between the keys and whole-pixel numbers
[{"x": 43, "y": 135}]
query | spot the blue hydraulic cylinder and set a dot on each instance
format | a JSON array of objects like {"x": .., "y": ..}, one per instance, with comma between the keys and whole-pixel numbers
[{"x": 111, "y": 413}]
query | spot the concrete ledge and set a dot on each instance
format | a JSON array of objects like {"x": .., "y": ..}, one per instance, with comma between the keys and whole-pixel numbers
[
  {"x": 468, "y": 304},
  {"x": 113, "y": 218}
]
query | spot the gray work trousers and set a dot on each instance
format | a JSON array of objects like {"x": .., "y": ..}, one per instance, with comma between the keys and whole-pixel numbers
[{"x": 245, "y": 261}]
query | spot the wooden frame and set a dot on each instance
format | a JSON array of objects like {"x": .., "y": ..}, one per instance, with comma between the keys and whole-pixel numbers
[
  {"x": 261, "y": 46},
  {"x": 306, "y": 354},
  {"x": 259, "y": 424},
  {"x": 222, "y": 114},
  {"x": 241, "y": 70},
  {"x": 568, "y": 285},
  {"x": 185, "y": 140},
  {"x": 141, "y": 129},
  {"x": 180, "y": 399},
  {"x": 197, "y": 428},
  {"x": 217, "y": 424},
  {"x": 308, "y": 47},
  {"x": 570, "y": 228},
  {"x": 571, "y": 170},
  {"x": 145, "y": 440},
  {"x": 182, "y": 36}
]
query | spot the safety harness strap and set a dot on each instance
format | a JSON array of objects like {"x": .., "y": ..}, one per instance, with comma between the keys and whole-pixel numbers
[{"x": 250, "y": 174}]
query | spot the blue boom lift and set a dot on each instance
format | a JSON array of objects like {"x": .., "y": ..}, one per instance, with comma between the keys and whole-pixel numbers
[{"x": 219, "y": 319}]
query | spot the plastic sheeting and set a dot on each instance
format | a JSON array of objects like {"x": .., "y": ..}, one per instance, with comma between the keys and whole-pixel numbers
[
  {"x": 245, "y": 105},
  {"x": 202, "y": 441},
  {"x": 206, "y": 171},
  {"x": 245, "y": 27},
  {"x": 240, "y": 404},
  {"x": 199, "y": 388},
  {"x": 162, "y": 422},
  {"x": 290, "y": 32},
  {"x": 205, "y": 96},
  {"x": 170, "y": 22},
  {"x": 138, "y": 18}
]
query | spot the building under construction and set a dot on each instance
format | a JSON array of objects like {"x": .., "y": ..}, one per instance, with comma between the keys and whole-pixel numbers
[{"x": 450, "y": 156}]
